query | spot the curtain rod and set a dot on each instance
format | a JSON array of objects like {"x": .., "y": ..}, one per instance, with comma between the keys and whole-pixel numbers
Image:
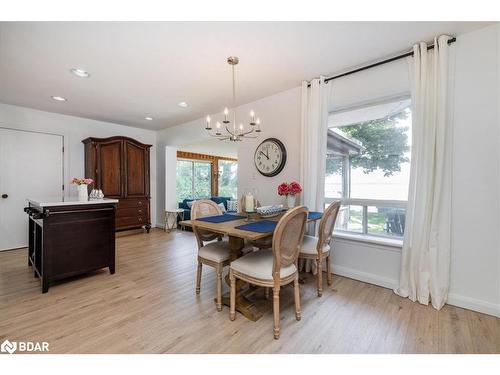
[{"x": 394, "y": 58}]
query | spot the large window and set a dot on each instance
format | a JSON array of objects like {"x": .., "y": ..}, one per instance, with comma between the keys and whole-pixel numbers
[
  {"x": 228, "y": 178},
  {"x": 368, "y": 167},
  {"x": 194, "y": 179}
]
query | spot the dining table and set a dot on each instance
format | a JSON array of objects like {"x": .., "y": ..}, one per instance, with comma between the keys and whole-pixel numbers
[{"x": 245, "y": 301}]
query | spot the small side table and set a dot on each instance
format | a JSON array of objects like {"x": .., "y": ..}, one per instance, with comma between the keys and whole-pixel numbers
[{"x": 171, "y": 216}]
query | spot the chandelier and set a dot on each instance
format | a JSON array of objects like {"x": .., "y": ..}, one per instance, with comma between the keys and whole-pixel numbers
[{"x": 230, "y": 131}]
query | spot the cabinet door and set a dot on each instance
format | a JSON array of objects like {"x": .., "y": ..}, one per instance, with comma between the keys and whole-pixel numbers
[
  {"x": 109, "y": 166},
  {"x": 137, "y": 170}
]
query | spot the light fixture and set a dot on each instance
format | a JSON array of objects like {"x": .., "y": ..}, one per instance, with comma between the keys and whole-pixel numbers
[
  {"x": 59, "y": 98},
  {"x": 182, "y": 104},
  {"x": 148, "y": 118},
  {"x": 80, "y": 73},
  {"x": 233, "y": 133}
]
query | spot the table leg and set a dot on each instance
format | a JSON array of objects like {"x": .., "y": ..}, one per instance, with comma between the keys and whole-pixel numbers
[{"x": 243, "y": 305}]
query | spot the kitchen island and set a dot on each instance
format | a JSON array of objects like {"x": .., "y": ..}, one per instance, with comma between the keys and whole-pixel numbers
[{"x": 67, "y": 237}]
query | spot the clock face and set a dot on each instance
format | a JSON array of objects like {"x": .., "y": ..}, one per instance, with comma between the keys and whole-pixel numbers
[{"x": 270, "y": 157}]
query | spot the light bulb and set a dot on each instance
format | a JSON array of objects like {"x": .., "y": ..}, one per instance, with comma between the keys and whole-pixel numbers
[
  {"x": 241, "y": 126},
  {"x": 258, "y": 121},
  {"x": 252, "y": 113},
  {"x": 226, "y": 111},
  {"x": 208, "y": 119},
  {"x": 218, "y": 125}
]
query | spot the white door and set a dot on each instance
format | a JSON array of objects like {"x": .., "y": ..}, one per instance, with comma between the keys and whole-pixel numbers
[{"x": 31, "y": 166}]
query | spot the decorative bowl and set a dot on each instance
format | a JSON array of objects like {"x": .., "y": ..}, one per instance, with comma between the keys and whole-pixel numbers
[{"x": 270, "y": 211}]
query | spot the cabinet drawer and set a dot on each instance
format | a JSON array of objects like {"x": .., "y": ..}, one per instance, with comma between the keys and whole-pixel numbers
[
  {"x": 130, "y": 221},
  {"x": 133, "y": 202},
  {"x": 133, "y": 211}
]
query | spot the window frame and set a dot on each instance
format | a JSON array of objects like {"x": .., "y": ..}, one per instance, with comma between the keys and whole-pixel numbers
[
  {"x": 213, "y": 160},
  {"x": 346, "y": 201}
]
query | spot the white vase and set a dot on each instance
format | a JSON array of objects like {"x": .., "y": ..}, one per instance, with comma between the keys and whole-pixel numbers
[
  {"x": 83, "y": 193},
  {"x": 290, "y": 201}
]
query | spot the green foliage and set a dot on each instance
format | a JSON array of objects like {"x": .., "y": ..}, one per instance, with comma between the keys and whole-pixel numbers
[{"x": 385, "y": 145}]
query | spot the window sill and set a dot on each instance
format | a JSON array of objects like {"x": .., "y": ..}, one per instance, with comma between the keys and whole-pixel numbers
[{"x": 373, "y": 240}]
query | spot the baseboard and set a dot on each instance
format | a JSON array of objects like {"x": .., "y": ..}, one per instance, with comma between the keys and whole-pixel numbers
[
  {"x": 161, "y": 226},
  {"x": 365, "y": 276},
  {"x": 453, "y": 299},
  {"x": 473, "y": 304}
]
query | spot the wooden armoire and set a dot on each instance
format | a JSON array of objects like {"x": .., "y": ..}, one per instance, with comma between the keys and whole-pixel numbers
[{"x": 120, "y": 168}]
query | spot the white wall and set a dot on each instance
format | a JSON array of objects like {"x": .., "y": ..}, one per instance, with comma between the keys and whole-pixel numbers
[
  {"x": 74, "y": 130},
  {"x": 475, "y": 264},
  {"x": 280, "y": 115}
]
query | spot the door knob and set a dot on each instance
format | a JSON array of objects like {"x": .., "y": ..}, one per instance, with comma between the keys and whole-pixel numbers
[{"x": 4, "y": 196}]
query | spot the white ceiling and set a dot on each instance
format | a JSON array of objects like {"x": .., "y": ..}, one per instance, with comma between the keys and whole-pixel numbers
[{"x": 143, "y": 69}]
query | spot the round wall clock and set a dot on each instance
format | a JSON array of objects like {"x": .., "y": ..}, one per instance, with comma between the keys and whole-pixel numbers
[{"x": 270, "y": 157}]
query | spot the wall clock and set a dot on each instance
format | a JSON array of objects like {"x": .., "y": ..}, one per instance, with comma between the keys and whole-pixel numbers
[{"x": 270, "y": 157}]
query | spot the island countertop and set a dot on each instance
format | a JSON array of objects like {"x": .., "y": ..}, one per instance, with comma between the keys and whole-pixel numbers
[{"x": 67, "y": 201}]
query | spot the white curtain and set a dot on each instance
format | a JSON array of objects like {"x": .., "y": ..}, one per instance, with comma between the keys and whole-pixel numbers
[
  {"x": 313, "y": 136},
  {"x": 425, "y": 264},
  {"x": 315, "y": 99}
]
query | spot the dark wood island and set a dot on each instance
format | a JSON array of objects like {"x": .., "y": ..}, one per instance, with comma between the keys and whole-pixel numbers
[{"x": 69, "y": 237}]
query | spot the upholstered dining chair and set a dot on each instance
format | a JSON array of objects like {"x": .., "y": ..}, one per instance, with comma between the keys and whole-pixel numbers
[
  {"x": 215, "y": 253},
  {"x": 273, "y": 268},
  {"x": 318, "y": 248}
]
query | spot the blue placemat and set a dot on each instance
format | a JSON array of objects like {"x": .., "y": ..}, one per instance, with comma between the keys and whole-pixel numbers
[
  {"x": 313, "y": 215},
  {"x": 261, "y": 226},
  {"x": 220, "y": 218}
]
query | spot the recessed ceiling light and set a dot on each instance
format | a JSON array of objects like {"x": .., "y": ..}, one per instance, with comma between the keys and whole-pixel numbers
[
  {"x": 182, "y": 104},
  {"x": 59, "y": 98},
  {"x": 148, "y": 118},
  {"x": 80, "y": 73}
]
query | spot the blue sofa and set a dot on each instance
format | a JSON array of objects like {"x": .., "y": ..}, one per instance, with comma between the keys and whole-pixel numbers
[{"x": 187, "y": 210}]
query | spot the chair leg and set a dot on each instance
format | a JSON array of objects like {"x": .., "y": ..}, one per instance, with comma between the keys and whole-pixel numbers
[
  {"x": 329, "y": 276},
  {"x": 276, "y": 311},
  {"x": 297, "y": 297},
  {"x": 232, "y": 296},
  {"x": 319, "y": 266},
  {"x": 219, "y": 288},
  {"x": 198, "y": 278}
]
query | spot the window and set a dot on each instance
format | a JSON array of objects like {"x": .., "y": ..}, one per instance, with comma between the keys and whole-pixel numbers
[
  {"x": 368, "y": 167},
  {"x": 228, "y": 178},
  {"x": 194, "y": 179}
]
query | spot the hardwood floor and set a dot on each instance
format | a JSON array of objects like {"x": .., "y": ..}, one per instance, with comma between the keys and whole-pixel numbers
[{"x": 150, "y": 306}]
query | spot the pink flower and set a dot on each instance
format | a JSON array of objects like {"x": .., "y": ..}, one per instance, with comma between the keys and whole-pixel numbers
[
  {"x": 81, "y": 181},
  {"x": 295, "y": 188},
  {"x": 283, "y": 189}
]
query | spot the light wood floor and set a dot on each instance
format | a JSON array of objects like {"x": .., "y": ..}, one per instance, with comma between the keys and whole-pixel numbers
[{"x": 150, "y": 306}]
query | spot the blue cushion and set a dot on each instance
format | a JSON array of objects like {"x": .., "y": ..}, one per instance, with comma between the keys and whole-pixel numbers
[{"x": 217, "y": 200}]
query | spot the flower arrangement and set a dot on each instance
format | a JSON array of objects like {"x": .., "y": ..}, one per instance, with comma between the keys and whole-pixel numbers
[
  {"x": 82, "y": 181},
  {"x": 291, "y": 188}
]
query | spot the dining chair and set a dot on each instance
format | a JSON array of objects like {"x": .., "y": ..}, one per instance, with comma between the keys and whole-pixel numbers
[
  {"x": 273, "y": 268},
  {"x": 318, "y": 248},
  {"x": 215, "y": 253}
]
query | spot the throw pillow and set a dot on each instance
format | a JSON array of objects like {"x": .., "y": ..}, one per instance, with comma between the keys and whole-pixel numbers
[
  {"x": 222, "y": 207},
  {"x": 232, "y": 206}
]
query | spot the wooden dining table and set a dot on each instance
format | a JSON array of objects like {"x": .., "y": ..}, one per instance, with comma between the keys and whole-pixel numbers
[{"x": 244, "y": 292}]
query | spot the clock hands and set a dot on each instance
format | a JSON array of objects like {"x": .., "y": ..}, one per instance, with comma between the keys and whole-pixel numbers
[{"x": 264, "y": 155}]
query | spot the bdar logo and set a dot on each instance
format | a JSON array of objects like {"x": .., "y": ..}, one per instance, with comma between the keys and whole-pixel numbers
[{"x": 8, "y": 347}]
